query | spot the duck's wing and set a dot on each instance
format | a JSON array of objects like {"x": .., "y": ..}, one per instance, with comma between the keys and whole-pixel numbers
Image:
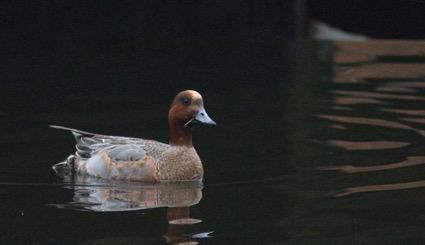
[{"x": 118, "y": 148}]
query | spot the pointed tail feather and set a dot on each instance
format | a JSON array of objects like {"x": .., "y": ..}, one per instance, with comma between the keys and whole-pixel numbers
[
  {"x": 83, "y": 141},
  {"x": 73, "y": 130}
]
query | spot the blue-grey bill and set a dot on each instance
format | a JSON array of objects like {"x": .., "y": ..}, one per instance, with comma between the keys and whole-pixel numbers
[{"x": 203, "y": 117}]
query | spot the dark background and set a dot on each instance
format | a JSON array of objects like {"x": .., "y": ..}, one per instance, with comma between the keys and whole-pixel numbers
[
  {"x": 53, "y": 48},
  {"x": 377, "y": 19}
]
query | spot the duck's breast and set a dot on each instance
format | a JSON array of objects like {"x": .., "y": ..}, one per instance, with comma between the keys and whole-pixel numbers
[{"x": 180, "y": 163}]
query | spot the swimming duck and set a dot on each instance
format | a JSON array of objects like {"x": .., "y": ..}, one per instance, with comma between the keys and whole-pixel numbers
[{"x": 135, "y": 159}]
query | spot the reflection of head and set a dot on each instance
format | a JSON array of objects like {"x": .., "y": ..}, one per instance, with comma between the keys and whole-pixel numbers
[{"x": 179, "y": 219}]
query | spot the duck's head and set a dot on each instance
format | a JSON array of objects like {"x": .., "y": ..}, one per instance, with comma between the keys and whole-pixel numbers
[{"x": 188, "y": 109}]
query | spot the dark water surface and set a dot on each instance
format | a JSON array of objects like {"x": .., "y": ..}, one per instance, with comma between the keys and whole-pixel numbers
[{"x": 295, "y": 158}]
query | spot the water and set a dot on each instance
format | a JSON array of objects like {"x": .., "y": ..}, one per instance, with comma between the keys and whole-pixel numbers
[{"x": 295, "y": 158}]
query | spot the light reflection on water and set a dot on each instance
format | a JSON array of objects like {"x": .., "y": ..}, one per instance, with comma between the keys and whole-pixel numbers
[
  {"x": 410, "y": 161},
  {"x": 384, "y": 187},
  {"x": 377, "y": 87}
]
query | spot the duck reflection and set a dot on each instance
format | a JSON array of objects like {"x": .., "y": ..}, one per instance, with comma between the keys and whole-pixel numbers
[{"x": 99, "y": 195}]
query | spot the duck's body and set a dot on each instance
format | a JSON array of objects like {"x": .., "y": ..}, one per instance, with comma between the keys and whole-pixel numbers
[{"x": 135, "y": 159}]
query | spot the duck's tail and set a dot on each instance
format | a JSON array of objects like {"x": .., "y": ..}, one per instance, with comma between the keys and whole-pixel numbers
[
  {"x": 83, "y": 140},
  {"x": 73, "y": 130}
]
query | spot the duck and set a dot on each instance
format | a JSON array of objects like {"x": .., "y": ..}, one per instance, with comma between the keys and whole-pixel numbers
[{"x": 146, "y": 160}]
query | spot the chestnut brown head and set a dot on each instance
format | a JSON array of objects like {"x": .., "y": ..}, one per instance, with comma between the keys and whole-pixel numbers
[{"x": 188, "y": 109}]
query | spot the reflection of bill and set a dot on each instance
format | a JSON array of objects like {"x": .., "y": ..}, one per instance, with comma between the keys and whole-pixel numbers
[{"x": 105, "y": 196}]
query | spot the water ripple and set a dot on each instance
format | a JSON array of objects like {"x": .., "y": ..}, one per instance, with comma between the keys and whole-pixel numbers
[
  {"x": 376, "y": 85},
  {"x": 410, "y": 161},
  {"x": 384, "y": 187}
]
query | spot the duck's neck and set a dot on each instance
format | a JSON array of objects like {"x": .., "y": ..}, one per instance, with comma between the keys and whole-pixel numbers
[{"x": 179, "y": 135}]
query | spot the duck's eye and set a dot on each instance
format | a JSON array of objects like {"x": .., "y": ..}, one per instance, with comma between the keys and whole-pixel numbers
[{"x": 185, "y": 101}]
